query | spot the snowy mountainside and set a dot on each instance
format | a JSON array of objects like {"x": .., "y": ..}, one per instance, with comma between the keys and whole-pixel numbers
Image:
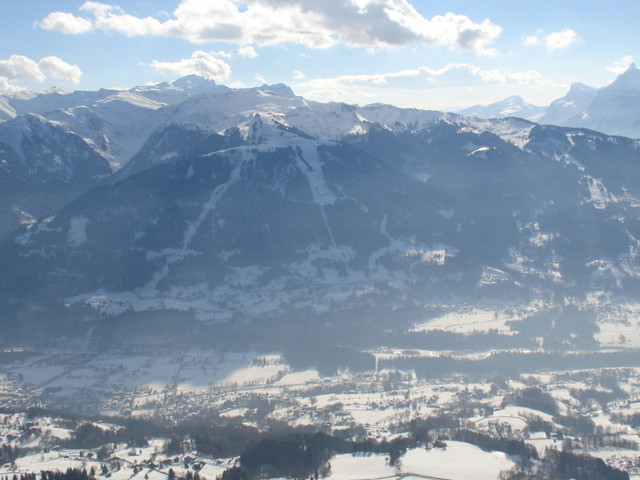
[
  {"x": 42, "y": 167},
  {"x": 573, "y": 104}
]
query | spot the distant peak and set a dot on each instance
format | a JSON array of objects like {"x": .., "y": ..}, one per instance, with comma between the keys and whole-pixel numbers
[
  {"x": 629, "y": 79},
  {"x": 278, "y": 89},
  {"x": 190, "y": 84},
  {"x": 578, "y": 86},
  {"x": 632, "y": 70},
  {"x": 193, "y": 80}
]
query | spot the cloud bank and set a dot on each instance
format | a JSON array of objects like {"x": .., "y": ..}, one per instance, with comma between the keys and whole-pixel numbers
[
  {"x": 205, "y": 64},
  {"x": 423, "y": 86},
  {"x": 314, "y": 24},
  {"x": 555, "y": 40},
  {"x": 19, "y": 67},
  {"x": 451, "y": 75}
]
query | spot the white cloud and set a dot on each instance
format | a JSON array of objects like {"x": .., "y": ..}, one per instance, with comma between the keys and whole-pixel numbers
[
  {"x": 7, "y": 87},
  {"x": 260, "y": 79},
  {"x": 451, "y": 75},
  {"x": 247, "y": 52},
  {"x": 553, "y": 41},
  {"x": 454, "y": 85},
  {"x": 19, "y": 67},
  {"x": 201, "y": 63},
  {"x": 54, "y": 67},
  {"x": 66, "y": 23},
  {"x": 620, "y": 66},
  {"x": 355, "y": 23},
  {"x": 111, "y": 17},
  {"x": 298, "y": 75},
  {"x": 560, "y": 40}
]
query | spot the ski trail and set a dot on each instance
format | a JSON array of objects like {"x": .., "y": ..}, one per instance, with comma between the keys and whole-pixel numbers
[
  {"x": 175, "y": 255},
  {"x": 310, "y": 165}
]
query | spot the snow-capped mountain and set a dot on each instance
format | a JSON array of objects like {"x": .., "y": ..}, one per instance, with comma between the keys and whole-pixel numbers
[
  {"x": 236, "y": 207},
  {"x": 613, "y": 109},
  {"x": 514, "y": 106},
  {"x": 112, "y": 126}
]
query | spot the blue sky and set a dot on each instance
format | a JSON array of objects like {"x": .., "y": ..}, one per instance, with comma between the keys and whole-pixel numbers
[{"x": 411, "y": 53}]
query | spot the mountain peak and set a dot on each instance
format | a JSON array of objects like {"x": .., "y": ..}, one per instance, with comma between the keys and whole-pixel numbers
[
  {"x": 629, "y": 80},
  {"x": 279, "y": 89},
  {"x": 513, "y": 106},
  {"x": 193, "y": 81},
  {"x": 580, "y": 87},
  {"x": 190, "y": 84},
  {"x": 632, "y": 72}
]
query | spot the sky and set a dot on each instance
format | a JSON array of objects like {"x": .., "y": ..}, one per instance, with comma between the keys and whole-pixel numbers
[{"x": 410, "y": 53}]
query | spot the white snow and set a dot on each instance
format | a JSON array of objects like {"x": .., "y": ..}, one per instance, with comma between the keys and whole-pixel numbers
[
  {"x": 478, "y": 150},
  {"x": 310, "y": 165},
  {"x": 360, "y": 466},
  {"x": 468, "y": 321},
  {"x": 299, "y": 378},
  {"x": 458, "y": 461},
  {"x": 600, "y": 196}
]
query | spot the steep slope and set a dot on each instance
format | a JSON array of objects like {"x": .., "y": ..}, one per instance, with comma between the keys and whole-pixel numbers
[
  {"x": 555, "y": 214},
  {"x": 116, "y": 123},
  {"x": 573, "y": 104},
  {"x": 42, "y": 167},
  {"x": 616, "y": 108}
]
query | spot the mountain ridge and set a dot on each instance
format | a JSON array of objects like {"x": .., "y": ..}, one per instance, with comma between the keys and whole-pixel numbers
[
  {"x": 247, "y": 206},
  {"x": 610, "y": 109}
]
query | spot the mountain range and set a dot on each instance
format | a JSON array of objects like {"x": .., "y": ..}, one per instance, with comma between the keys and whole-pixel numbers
[
  {"x": 189, "y": 205},
  {"x": 612, "y": 109}
]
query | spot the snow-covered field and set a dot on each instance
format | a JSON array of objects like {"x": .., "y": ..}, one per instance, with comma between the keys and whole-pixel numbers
[
  {"x": 471, "y": 321},
  {"x": 456, "y": 461}
]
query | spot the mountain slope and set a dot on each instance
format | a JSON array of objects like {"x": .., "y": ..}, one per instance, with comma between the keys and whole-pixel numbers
[
  {"x": 42, "y": 167},
  {"x": 253, "y": 231},
  {"x": 573, "y": 104},
  {"x": 284, "y": 226},
  {"x": 254, "y": 207}
]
